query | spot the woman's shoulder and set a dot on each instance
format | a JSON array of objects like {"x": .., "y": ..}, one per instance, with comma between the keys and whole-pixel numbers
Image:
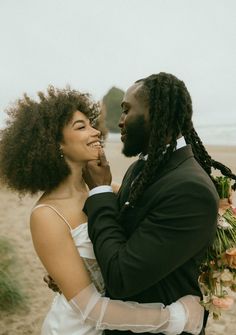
[
  {"x": 63, "y": 210},
  {"x": 46, "y": 213}
]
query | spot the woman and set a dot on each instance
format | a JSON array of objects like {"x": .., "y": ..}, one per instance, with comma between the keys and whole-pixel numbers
[{"x": 44, "y": 147}]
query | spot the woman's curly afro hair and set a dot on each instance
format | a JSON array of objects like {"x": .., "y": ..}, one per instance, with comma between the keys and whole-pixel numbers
[{"x": 30, "y": 159}]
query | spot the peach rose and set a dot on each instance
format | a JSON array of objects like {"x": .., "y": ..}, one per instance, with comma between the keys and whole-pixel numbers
[
  {"x": 230, "y": 255},
  {"x": 223, "y": 303}
]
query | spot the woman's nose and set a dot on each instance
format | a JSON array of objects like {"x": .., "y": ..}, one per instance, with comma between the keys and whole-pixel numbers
[{"x": 96, "y": 132}]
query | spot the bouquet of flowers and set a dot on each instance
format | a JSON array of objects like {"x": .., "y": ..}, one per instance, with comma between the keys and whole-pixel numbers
[{"x": 218, "y": 272}]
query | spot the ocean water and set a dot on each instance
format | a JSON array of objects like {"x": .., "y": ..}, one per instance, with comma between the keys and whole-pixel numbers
[
  {"x": 209, "y": 134},
  {"x": 218, "y": 134}
]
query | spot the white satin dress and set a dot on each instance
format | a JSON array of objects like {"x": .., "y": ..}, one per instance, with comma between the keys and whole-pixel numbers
[{"x": 61, "y": 318}]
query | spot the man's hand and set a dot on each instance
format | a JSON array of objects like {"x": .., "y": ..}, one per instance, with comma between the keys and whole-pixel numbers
[{"x": 97, "y": 172}]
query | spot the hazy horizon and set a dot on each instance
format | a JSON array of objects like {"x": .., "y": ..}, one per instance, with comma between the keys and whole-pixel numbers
[{"x": 94, "y": 45}]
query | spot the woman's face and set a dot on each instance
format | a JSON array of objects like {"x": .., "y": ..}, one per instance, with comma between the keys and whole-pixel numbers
[{"x": 81, "y": 142}]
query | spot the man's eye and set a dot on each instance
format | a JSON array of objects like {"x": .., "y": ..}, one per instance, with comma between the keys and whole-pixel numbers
[{"x": 125, "y": 111}]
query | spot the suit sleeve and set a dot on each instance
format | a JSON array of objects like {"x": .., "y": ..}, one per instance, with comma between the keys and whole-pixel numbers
[{"x": 163, "y": 241}]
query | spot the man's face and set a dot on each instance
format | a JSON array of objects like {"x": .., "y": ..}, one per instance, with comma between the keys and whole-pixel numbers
[{"x": 134, "y": 122}]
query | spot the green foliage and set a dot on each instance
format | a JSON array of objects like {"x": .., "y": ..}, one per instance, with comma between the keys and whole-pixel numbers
[
  {"x": 111, "y": 104},
  {"x": 223, "y": 186},
  {"x": 11, "y": 296}
]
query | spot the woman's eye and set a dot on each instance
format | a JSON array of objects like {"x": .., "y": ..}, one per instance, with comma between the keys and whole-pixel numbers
[{"x": 82, "y": 127}]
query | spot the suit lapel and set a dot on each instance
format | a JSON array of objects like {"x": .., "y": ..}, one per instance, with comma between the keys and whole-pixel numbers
[
  {"x": 134, "y": 215},
  {"x": 131, "y": 174},
  {"x": 176, "y": 159}
]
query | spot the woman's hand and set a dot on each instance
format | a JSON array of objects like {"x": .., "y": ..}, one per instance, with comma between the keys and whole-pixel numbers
[
  {"x": 194, "y": 312},
  {"x": 224, "y": 204}
]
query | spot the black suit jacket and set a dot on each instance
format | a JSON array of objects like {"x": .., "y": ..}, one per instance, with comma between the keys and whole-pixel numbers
[{"x": 155, "y": 253}]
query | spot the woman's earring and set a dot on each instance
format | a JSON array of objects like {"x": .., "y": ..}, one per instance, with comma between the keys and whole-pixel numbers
[{"x": 61, "y": 153}]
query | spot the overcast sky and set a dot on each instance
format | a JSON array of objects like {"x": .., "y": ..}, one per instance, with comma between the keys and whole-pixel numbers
[{"x": 95, "y": 44}]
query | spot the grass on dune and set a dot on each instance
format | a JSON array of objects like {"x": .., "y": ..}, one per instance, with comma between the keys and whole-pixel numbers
[{"x": 11, "y": 295}]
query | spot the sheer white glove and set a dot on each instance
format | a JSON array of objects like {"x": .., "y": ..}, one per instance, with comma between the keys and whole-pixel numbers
[
  {"x": 104, "y": 313},
  {"x": 194, "y": 313}
]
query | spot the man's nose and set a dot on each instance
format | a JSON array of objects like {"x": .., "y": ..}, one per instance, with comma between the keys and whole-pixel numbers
[{"x": 122, "y": 120}]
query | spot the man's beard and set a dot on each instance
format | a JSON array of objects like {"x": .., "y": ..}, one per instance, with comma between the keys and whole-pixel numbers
[{"x": 136, "y": 138}]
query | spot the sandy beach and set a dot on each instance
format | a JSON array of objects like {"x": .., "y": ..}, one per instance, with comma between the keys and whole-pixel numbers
[{"x": 14, "y": 225}]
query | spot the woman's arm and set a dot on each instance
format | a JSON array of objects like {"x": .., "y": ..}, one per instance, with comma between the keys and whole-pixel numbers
[
  {"x": 57, "y": 251},
  {"x": 103, "y": 313}
]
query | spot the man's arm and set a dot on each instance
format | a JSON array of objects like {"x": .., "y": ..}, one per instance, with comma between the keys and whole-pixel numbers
[{"x": 129, "y": 266}]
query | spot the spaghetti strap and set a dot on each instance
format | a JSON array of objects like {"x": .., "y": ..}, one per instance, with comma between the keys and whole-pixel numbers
[{"x": 55, "y": 210}]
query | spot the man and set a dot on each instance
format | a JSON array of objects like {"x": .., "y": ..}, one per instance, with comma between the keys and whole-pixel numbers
[{"x": 150, "y": 239}]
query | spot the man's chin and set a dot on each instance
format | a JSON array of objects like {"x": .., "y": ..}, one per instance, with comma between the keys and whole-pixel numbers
[{"x": 130, "y": 152}]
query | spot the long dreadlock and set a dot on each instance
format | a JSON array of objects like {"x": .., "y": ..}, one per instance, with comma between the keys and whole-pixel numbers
[{"x": 170, "y": 112}]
